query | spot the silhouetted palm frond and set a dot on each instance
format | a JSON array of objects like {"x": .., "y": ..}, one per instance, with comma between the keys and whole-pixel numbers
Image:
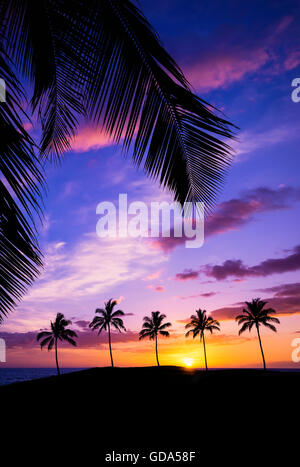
[
  {"x": 152, "y": 327},
  {"x": 257, "y": 315},
  {"x": 59, "y": 332},
  {"x": 200, "y": 323},
  {"x": 101, "y": 60},
  {"x": 21, "y": 183},
  {"x": 109, "y": 318}
]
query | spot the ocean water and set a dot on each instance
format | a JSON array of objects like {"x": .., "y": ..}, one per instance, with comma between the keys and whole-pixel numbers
[{"x": 14, "y": 375}]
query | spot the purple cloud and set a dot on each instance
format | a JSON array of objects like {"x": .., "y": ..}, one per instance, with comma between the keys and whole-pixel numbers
[
  {"x": 236, "y": 268},
  {"x": 206, "y": 295},
  {"x": 235, "y": 213},
  {"x": 186, "y": 275},
  {"x": 285, "y": 301},
  {"x": 82, "y": 324},
  {"x": 86, "y": 339}
]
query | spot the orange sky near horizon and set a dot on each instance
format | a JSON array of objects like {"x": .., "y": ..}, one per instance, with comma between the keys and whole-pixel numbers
[{"x": 224, "y": 350}]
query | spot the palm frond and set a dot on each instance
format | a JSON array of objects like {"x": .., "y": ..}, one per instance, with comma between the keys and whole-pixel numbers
[
  {"x": 164, "y": 333},
  {"x": 21, "y": 183},
  {"x": 69, "y": 340},
  {"x": 46, "y": 341},
  {"x": 139, "y": 92}
]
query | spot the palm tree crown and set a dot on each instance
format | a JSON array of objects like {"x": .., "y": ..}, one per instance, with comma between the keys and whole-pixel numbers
[
  {"x": 59, "y": 332},
  {"x": 256, "y": 315},
  {"x": 153, "y": 326},
  {"x": 108, "y": 318},
  {"x": 200, "y": 323}
]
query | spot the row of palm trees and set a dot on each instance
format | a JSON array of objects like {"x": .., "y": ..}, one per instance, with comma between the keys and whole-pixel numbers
[{"x": 254, "y": 315}]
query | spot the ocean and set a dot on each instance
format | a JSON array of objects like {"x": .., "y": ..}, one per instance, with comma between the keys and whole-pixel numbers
[{"x": 14, "y": 375}]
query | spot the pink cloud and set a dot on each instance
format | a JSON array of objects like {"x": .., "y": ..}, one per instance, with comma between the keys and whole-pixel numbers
[
  {"x": 90, "y": 138},
  {"x": 293, "y": 60},
  {"x": 154, "y": 275},
  {"x": 205, "y": 295},
  {"x": 225, "y": 67},
  {"x": 120, "y": 299},
  {"x": 167, "y": 244},
  {"x": 232, "y": 60},
  {"x": 157, "y": 288}
]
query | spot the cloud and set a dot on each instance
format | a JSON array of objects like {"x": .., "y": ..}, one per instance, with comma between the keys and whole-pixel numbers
[
  {"x": 284, "y": 290},
  {"x": 250, "y": 141},
  {"x": 89, "y": 139},
  {"x": 293, "y": 60},
  {"x": 86, "y": 339},
  {"x": 235, "y": 213},
  {"x": 167, "y": 244},
  {"x": 226, "y": 313},
  {"x": 186, "y": 275},
  {"x": 154, "y": 275},
  {"x": 120, "y": 299},
  {"x": 157, "y": 288},
  {"x": 82, "y": 323},
  {"x": 90, "y": 267},
  {"x": 285, "y": 301},
  {"x": 234, "y": 54},
  {"x": 237, "y": 268},
  {"x": 205, "y": 295},
  {"x": 224, "y": 67}
]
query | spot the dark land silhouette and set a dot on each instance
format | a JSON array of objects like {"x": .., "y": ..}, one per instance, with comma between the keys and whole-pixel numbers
[{"x": 104, "y": 409}]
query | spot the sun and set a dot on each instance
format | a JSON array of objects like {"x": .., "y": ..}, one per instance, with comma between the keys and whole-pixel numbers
[{"x": 188, "y": 361}]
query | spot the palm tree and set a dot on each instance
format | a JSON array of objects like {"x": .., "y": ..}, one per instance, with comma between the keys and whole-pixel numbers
[
  {"x": 153, "y": 326},
  {"x": 109, "y": 318},
  {"x": 199, "y": 324},
  {"x": 101, "y": 60},
  {"x": 59, "y": 332},
  {"x": 256, "y": 315}
]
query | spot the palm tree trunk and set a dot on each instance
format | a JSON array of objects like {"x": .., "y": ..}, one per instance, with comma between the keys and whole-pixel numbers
[
  {"x": 56, "y": 359},
  {"x": 204, "y": 352},
  {"x": 109, "y": 342},
  {"x": 261, "y": 348},
  {"x": 156, "y": 350}
]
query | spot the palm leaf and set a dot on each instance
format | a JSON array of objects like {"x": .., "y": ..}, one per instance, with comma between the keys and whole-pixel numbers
[
  {"x": 20, "y": 197},
  {"x": 104, "y": 58}
]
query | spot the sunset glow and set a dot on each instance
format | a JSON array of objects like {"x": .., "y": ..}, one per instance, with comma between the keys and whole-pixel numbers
[{"x": 188, "y": 362}]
